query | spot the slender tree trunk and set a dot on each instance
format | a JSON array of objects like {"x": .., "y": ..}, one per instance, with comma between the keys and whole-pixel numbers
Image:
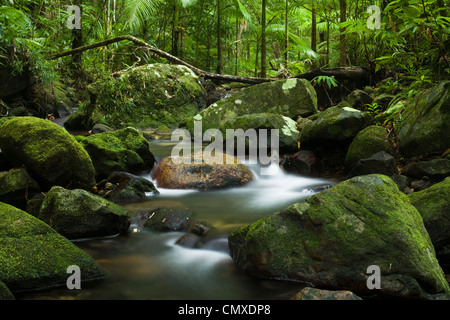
[
  {"x": 175, "y": 28},
  {"x": 263, "y": 40},
  {"x": 314, "y": 33},
  {"x": 342, "y": 51},
  {"x": 236, "y": 54},
  {"x": 183, "y": 36},
  {"x": 77, "y": 38},
  {"x": 328, "y": 43},
  {"x": 219, "y": 39},
  {"x": 286, "y": 35},
  {"x": 197, "y": 35}
]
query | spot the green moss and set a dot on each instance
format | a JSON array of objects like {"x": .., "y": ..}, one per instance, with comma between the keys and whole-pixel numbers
[
  {"x": 426, "y": 124},
  {"x": 335, "y": 124},
  {"x": 121, "y": 150},
  {"x": 34, "y": 256},
  {"x": 299, "y": 100},
  {"x": 48, "y": 151},
  {"x": 367, "y": 142},
  {"x": 332, "y": 237},
  {"x": 434, "y": 206},
  {"x": 145, "y": 96}
]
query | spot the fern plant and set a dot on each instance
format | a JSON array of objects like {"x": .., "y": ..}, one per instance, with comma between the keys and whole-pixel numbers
[{"x": 322, "y": 80}]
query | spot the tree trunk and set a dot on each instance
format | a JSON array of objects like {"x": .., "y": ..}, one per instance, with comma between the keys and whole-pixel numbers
[
  {"x": 263, "y": 40},
  {"x": 77, "y": 38},
  {"x": 314, "y": 33},
  {"x": 219, "y": 39},
  {"x": 286, "y": 36},
  {"x": 175, "y": 28},
  {"x": 342, "y": 51}
]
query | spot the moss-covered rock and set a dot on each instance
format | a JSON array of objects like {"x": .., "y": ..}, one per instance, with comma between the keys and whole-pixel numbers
[
  {"x": 123, "y": 187},
  {"x": 381, "y": 162},
  {"x": 79, "y": 214},
  {"x": 201, "y": 172},
  {"x": 332, "y": 238},
  {"x": 367, "y": 142},
  {"x": 433, "y": 204},
  {"x": 291, "y": 98},
  {"x": 121, "y": 150},
  {"x": 358, "y": 99},
  {"x": 142, "y": 97},
  {"x": 335, "y": 124},
  {"x": 16, "y": 186},
  {"x": 34, "y": 256},
  {"x": 426, "y": 125},
  {"x": 436, "y": 169},
  {"x": 287, "y": 130},
  {"x": 49, "y": 153}
]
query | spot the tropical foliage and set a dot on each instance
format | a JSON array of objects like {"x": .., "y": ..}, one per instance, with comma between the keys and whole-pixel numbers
[{"x": 233, "y": 36}]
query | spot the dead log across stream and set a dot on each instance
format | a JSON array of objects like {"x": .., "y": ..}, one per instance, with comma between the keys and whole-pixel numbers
[{"x": 349, "y": 73}]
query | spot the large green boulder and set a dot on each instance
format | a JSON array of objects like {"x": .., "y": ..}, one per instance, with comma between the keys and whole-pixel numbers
[
  {"x": 34, "y": 256},
  {"x": 332, "y": 238},
  {"x": 433, "y": 204},
  {"x": 78, "y": 214},
  {"x": 426, "y": 125},
  {"x": 142, "y": 97},
  {"x": 49, "y": 153},
  {"x": 291, "y": 98},
  {"x": 335, "y": 124},
  {"x": 367, "y": 142},
  {"x": 287, "y": 129},
  {"x": 122, "y": 150}
]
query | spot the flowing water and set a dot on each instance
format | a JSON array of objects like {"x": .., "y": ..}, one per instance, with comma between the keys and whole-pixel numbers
[{"x": 145, "y": 264}]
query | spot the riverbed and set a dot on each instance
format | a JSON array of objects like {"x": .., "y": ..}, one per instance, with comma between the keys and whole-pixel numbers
[{"x": 145, "y": 264}]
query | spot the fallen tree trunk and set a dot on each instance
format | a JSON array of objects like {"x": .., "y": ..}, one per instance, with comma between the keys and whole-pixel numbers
[
  {"x": 344, "y": 73},
  {"x": 168, "y": 56},
  {"x": 348, "y": 73}
]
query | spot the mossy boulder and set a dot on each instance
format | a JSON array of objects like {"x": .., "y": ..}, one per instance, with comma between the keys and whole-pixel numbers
[
  {"x": 48, "y": 152},
  {"x": 121, "y": 150},
  {"x": 433, "y": 204},
  {"x": 142, "y": 97},
  {"x": 366, "y": 143},
  {"x": 381, "y": 162},
  {"x": 436, "y": 169},
  {"x": 331, "y": 239},
  {"x": 202, "y": 172},
  {"x": 426, "y": 125},
  {"x": 123, "y": 187},
  {"x": 16, "y": 186},
  {"x": 288, "y": 134},
  {"x": 34, "y": 256},
  {"x": 358, "y": 99},
  {"x": 291, "y": 98},
  {"x": 79, "y": 214},
  {"x": 335, "y": 124}
]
